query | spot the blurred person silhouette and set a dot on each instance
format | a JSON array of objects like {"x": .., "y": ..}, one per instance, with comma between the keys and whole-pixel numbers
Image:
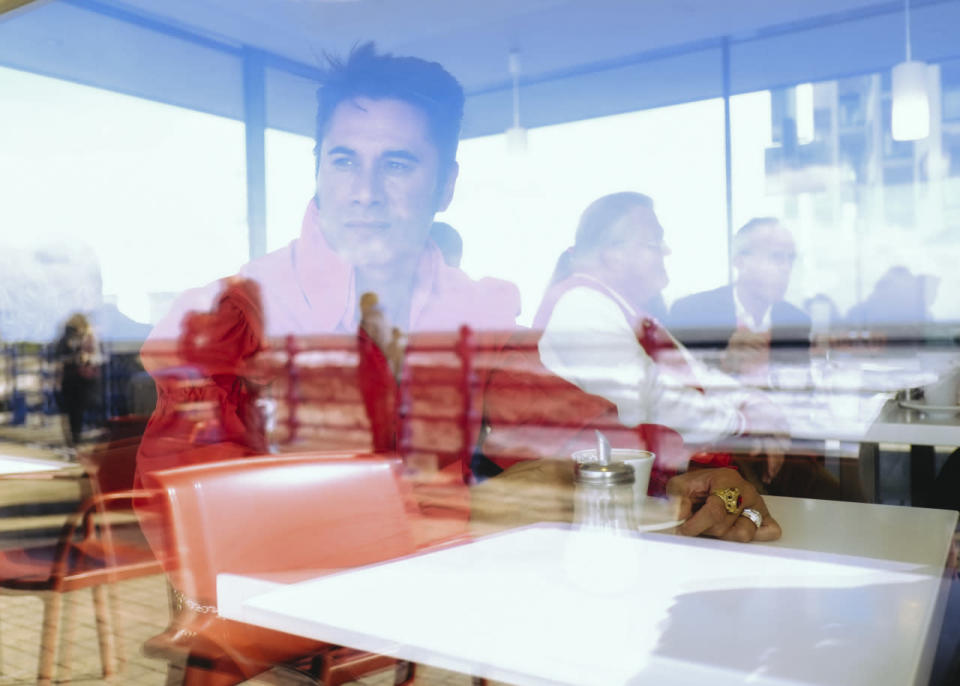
[
  {"x": 750, "y": 316},
  {"x": 449, "y": 241},
  {"x": 899, "y": 299},
  {"x": 387, "y": 135},
  {"x": 41, "y": 285},
  {"x": 78, "y": 375},
  {"x": 764, "y": 336},
  {"x": 598, "y": 338},
  {"x": 823, "y": 312}
]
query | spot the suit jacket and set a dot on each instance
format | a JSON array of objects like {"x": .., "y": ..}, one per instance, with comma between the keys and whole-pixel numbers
[{"x": 710, "y": 317}]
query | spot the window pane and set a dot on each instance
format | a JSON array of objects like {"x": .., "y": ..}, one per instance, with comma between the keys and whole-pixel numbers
[
  {"x": 154, "y": 193},
  {"x": 518, "y": 211},
  {"x": 872, "y": 216},
  {"x": 290, "y": 184}
]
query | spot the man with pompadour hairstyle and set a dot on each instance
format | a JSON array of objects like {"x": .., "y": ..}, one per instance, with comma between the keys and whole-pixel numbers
[{"x": 387, "y": 134}]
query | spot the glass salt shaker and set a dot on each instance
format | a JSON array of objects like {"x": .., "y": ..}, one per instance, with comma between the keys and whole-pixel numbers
[{"x": 603, "y": 496}]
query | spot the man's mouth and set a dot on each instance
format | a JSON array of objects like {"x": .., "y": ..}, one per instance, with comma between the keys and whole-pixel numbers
[{"x": 364, "y": 225}]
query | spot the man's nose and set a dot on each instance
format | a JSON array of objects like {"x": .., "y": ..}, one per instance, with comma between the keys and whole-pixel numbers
[{"x": 367, "y": 188}]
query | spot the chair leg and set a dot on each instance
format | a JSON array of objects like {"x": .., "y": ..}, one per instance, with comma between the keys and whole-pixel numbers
[
  {"x": 117, "y": 619},
  {"x": 52, "y": 606},
  {"x": 404, "y": 673},
  {"x": 198, "y": 676},
  {"x": 67, "y": 636},
  {"x": 175, "y": 675},
  {"x": 104, "y": 633}
]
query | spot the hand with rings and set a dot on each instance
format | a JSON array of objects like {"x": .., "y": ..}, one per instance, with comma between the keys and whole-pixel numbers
[{"x": 722, "y": 504}]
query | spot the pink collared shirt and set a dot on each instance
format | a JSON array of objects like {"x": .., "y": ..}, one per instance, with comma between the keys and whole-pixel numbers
[
  {"x": 308, "y": 289},
  {"x": 302, "y": 289}
]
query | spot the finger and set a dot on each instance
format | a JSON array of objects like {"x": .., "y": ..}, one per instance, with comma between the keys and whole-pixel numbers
[
  {"x": 722, "y": 528},
  {"x": 742, "y": 531},
  {"x": 679, "y": 487},
  {"x": 774, "y": 463},
  {"x": 708, "y": 519},
  {"x": 675, "y": 485},
  {"x": 770, "y": 529},
  {"x": 685, "y": 508}
]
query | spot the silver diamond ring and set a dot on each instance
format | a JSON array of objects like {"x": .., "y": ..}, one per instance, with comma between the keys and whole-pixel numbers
[{"x": 753, "y": 516}]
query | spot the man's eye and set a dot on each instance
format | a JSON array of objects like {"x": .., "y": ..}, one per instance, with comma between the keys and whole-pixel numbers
[
  {"x": 398, "y": 166},
  {"x": 342, "y": 162}
]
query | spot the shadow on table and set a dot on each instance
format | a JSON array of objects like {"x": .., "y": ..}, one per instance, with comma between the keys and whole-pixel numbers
[{"x": 810, "y": 635}]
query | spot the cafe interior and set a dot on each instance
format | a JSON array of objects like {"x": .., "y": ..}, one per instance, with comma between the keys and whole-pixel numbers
[{"x": 617, "y": 342}]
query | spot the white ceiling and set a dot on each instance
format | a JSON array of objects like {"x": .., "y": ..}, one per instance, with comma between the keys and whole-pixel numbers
[
  {"x": 580, "y": 58},
  {"x": 472, "y": 37}
]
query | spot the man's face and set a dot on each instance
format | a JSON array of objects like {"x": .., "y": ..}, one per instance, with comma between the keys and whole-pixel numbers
[
  {"x": 635, "y": 256},
  {"x": 764, "y": 269},
  {"x": 378, "y": 184}
]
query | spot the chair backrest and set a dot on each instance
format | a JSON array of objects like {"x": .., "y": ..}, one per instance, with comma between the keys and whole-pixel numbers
[{"x": 276, "y": 514}]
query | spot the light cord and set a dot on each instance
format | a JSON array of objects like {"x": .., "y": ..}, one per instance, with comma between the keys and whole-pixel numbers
[{"x": 907, "y": 27}]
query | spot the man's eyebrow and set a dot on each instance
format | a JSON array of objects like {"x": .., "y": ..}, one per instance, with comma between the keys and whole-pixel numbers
[
  {"x": 402, "y": 154},
  {"x": 341, "y": 150}
]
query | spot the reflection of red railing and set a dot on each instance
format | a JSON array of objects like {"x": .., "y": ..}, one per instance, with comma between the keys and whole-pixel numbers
[
  {"x": 338, "y": 392},
  {"x": 319, "y": 402},
  {"x": 291, "y": 368},
  {"x": 448, "y": 384},
  {"x": 313, "y": 392},
  {"x": 439, "y": 408}
]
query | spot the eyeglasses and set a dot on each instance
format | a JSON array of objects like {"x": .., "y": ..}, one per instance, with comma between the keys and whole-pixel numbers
[
  {"x": 658, "y": 246},
  {"x": 631, "y": 244},
  {"x": 782, "y": 256}
]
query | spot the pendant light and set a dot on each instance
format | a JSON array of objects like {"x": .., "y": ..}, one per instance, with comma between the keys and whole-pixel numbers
[
  {"x": 911, "y": 104},
  {"x": 516, "y": 134}
]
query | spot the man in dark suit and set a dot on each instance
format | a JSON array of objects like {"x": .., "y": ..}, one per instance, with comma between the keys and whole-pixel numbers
[
  {"x": 749, "y": 318},
  {"x": 759, "y": 333}
]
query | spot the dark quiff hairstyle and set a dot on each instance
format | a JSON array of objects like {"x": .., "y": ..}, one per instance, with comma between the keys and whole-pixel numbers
[{"x": 425, "y": 85}]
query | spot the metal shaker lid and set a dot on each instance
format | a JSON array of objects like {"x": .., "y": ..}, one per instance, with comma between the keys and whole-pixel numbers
[{"x": 603, "y": 474}]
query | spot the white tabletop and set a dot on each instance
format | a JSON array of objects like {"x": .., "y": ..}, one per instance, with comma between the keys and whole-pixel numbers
[
  {"x": 10, "y": 464},
  {"x": 896, "y": 424},
  {"x": 853, "y": 594}
]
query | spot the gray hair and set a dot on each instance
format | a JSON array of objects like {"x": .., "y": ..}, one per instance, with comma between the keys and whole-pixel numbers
[
  {"x": 744, "y": 235},
  {"x": 593, "y": 231}
]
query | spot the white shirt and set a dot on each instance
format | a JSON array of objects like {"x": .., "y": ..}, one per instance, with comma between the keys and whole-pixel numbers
[
  {"x": 745, "y": 319},
  {"x": 589, "y": 342}
]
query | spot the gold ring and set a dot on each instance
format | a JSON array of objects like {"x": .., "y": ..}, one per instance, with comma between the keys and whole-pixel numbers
[{"x": 731, "y": 499}]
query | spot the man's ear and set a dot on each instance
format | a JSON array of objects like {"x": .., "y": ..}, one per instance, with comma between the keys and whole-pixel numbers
[
  {"x": 738, "y": 263},
  {"x": 445, "y": 192}
]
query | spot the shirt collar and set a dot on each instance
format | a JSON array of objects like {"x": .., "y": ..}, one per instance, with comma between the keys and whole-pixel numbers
[
  {"x": 746, "y": 320},
  {"x": 329, "y": 282}
]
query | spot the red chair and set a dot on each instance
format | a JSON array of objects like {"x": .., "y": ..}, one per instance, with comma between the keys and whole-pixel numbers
[
  {"x": 284, "y": 517},
  {"x": 99, "y": 545}
]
